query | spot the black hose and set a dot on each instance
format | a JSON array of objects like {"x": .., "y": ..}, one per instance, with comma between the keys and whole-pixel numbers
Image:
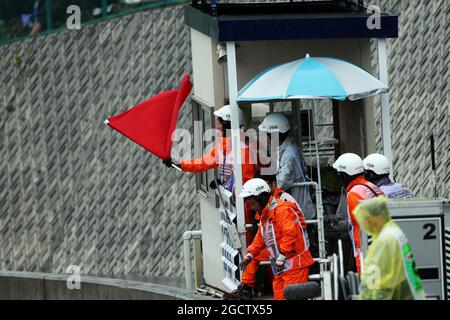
[{"x": 433, "y": 160}]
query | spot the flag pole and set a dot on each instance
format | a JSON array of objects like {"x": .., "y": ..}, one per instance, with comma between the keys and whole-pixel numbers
[{"x": 176, "y": 167}]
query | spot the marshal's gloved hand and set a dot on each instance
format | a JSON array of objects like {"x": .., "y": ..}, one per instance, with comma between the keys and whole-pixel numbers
[
  {"x": 247, "y": 259},
  {"x": 280, "y": 262},
  {"x": 215, "y": 184},
  {"x": 169, "y": 163}
]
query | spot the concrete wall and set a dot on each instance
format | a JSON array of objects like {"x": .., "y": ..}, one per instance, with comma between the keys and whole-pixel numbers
[
  {"x": 72, "y": 190},
  {"x": 44, "y": 286},
  {"x": 419, "y": 79}
]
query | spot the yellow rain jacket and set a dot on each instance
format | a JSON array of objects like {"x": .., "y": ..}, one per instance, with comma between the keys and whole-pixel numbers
[{"x": 389, "y": 269}]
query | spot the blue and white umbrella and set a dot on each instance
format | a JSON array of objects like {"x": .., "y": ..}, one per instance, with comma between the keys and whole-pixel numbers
[{"x": 312, "y": 78}]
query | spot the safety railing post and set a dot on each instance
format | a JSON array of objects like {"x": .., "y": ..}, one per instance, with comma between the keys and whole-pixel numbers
[
  {"x": 48, "y": 14},
  {"x": 104, "y": 8},
  {"x": 187, "y": 237},
  {"x": 320, "y": 225}
]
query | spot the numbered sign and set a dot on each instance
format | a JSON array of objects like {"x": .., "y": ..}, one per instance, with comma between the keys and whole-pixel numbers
[{"x": 425, "y": 237}]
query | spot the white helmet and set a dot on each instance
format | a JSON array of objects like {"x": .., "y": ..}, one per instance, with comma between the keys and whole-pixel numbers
[
  {"x": 377, "y": 163},
  {"x": 225, "y": 114},
  {"x": 349, "y": 163},
  {"x": 254, "y": 187},
  {"x": 275, "y": 122}
]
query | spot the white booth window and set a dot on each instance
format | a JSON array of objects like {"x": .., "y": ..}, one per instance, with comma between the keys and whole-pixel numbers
[{"x": 204, "y": 120}]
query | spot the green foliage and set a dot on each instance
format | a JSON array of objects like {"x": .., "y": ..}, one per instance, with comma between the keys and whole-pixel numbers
[
  {"x": 9, "y": 108},
  {"x": 18, "y": 61},
  {"x": 2, "y": 30}
]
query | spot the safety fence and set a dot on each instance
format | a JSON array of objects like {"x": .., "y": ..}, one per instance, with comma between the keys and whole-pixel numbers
[{"x": 30, "y": 18}]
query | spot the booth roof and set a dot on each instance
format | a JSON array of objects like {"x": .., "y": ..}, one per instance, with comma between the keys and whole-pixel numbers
[{"x": 289, "y": 21}]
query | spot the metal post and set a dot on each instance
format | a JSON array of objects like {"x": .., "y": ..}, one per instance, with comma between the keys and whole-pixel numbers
[
  {"x": 320, "y": 217},
  {"x": 361, "y": 258},
  {"x": 327, "y": 292},
  {"x": 187, "y": 236},
  {"x": 48, "y": 14},
  {"x": 316, "y": 145},
  {"x": 236, "y": 139},
  {"x": 198, "y": 270},
  {"x": 104, "y": 8},
  {"x": 335, "y": 272},
  {"x": 385, "y": 113},
  {"x": 187, "y": 263},
  {"x": 320, "y": 230},
  {"x": 341, "y": 258}
]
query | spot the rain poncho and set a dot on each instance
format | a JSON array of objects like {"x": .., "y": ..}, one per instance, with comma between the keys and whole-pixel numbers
[
  {"x": 291, "y": 169},
  {"x": 389, "y": 269}
]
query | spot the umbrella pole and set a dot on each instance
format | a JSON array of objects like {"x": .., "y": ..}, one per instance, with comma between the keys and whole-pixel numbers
[{"x": 316, "y": 144}]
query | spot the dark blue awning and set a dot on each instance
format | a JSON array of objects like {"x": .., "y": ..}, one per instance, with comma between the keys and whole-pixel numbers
[{"x": 288, "y": 21}]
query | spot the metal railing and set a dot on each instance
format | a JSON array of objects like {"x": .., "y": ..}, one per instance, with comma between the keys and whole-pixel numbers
[{"x": 20, "y": 20}]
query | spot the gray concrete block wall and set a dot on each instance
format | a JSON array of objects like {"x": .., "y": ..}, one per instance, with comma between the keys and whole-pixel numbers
[
  {"x": 419, "y": 79},
  {"x": 46, "y": 286},
  {"x": 73, "y": 191}
]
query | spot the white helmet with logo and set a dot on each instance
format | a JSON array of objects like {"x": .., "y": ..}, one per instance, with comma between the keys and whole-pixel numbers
[
  {"x": 377, "y": 163},
  {"x": 225, "y": 114},
  {"x": 254, "y": 187},
  {"x": 349, "y": 163},
  {"x": 275, "y": 122}
]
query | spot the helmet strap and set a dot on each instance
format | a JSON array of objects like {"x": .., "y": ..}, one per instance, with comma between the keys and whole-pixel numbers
[
  {"x": 346, "y": 179},
  {"x": 226, "y": 125},
  {"x": 263, "y": 199},
  {"x": 371, "y": 176}
]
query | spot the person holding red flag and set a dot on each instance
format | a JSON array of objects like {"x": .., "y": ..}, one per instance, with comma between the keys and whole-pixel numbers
[
  {"x": 152, "y": 122},
  {"x": 221, "y": 155}
]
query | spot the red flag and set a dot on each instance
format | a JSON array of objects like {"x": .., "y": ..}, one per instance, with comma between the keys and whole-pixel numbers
[{"x": 152, "y": 122}]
